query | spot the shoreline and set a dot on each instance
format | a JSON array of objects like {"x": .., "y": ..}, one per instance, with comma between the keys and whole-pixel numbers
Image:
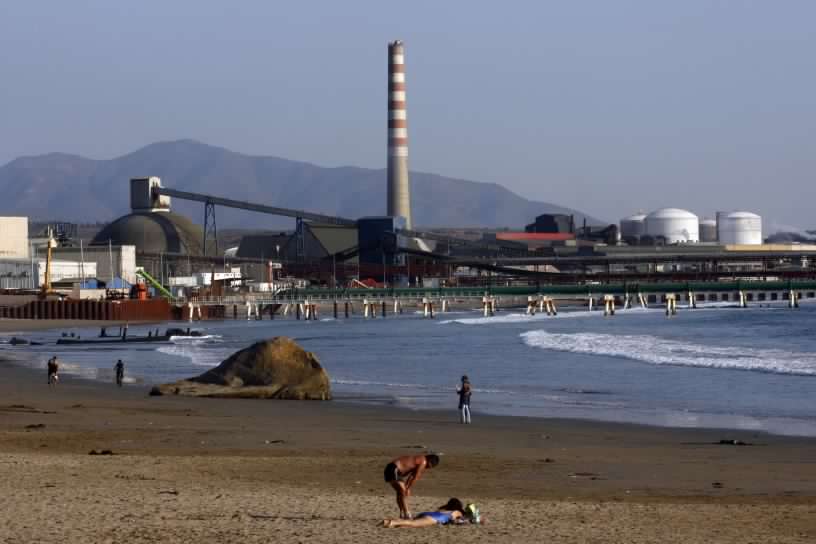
[
  {"x": 373, "y": 402},
  {"x": 8, "y": 326},
  {"x": 387, "y": 403}
]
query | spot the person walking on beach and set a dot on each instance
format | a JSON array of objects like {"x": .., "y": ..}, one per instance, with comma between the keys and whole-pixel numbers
[
  {"x": 120, "y": 372},
  {"x": 403, "y": 472},
  {"x": 53, "y": 369},
  {"x": 464, "y": 393}
]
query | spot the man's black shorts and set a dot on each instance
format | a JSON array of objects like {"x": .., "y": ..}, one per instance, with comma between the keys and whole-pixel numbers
[{"x": 392, "y": 473}]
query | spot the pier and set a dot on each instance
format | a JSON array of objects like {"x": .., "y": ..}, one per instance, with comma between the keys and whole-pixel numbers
[{"x": 430, "y": 302}]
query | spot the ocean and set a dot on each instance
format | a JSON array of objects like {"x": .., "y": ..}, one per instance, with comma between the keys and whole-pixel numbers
[{"x": 715, "y": 366}]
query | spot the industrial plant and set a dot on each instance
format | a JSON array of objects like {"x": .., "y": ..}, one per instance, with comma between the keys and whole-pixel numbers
[{"x": 156, "y": 253}]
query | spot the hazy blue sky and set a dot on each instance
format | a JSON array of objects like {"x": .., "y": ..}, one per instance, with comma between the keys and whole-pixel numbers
[{"x": 606, "y": 106}]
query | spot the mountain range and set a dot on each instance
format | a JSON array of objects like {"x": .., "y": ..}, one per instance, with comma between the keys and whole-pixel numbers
[{"x": 58, "y": 186}]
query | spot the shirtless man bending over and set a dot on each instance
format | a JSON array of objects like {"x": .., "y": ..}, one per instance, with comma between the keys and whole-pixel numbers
[{"x": 403, "y": 472}]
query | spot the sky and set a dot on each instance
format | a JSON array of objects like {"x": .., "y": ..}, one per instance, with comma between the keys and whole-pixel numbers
[{"x": 606, "y": 107}]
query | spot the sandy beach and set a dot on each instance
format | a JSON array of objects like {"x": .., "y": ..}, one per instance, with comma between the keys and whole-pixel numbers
[{"x": 211, "y": 470}]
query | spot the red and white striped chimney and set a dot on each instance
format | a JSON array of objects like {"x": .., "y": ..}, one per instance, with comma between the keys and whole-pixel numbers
[{"x": 399, "y": 188}]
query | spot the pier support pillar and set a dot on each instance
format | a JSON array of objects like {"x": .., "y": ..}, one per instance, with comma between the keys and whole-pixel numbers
[
  {"x": 488, "y": 305},
  {"x": 369, "y": 308},
  {"x": 671, "y": 305},
  {"x": 609, "y": 305},
  {"x": 310, "y": 311},
  {"x": 428, "y": 308},
  {"x": 549, "y": 306}
]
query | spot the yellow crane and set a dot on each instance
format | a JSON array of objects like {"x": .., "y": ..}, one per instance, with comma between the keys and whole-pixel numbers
[{"x": 51, "y": 244}]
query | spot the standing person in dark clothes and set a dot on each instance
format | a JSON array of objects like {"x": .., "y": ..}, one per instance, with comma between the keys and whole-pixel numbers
[
  {"x": 120, "y": 372},
  {"x": 53, "y": 370},
  {"x": 464, "y": 393},
  {"x": 403, "y": 472}
]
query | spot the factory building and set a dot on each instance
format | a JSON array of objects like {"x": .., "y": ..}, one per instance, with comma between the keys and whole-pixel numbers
[
  {"x": 23, "y": 259},
  {"x": 108, "y": 263},
  {"x": 30, "y": 273},
  {"x": 532, "y": 241},
  {"x": 14, "y": 237},
  {"x": 552, "y": 223},
  {"x": 319, "y": 242},
  {"x": 377, "y": 240},
  {"x": 152, "y": 227},
  {"x": 153, "y": 233},
  {"x": 633, "y": 228}
]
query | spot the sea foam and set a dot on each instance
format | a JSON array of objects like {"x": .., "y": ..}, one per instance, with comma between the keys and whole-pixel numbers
[{"x": 660, "y": 351}]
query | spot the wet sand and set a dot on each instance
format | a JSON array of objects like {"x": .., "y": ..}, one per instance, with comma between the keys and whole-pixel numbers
[{"x": 212, "y": 470}]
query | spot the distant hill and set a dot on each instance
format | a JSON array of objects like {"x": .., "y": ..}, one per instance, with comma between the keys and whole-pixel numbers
[{"x": 57, "y": 186}]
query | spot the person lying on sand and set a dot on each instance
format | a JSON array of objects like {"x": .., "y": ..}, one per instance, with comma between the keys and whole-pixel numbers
[
  {"x": 451, "y": 512},
  {"x": 403, "y": 472}
]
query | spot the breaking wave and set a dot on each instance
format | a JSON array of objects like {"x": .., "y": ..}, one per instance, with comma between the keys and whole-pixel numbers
[{"x": 660, "y": 351}]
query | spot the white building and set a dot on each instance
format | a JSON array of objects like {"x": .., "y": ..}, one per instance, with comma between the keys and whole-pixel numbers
[
  {"x": 116, "y": 261},
  {"x": 30, "y": 273},
  {"x": 14, "y": 237}
]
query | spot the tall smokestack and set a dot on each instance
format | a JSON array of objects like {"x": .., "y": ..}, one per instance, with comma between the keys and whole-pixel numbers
[{"x": 399, "y": 188}]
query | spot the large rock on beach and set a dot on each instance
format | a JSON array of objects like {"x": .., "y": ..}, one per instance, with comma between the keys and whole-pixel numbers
[{"x": 273, "y": 369}]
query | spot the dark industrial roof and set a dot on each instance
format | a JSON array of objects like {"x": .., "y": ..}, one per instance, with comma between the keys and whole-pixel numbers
[
  {"x": 154, "y": 232},
  {"x": 263, "y": 246},
  {"x": 334, "y": 238},
  {"x": 319, "y": 241}
]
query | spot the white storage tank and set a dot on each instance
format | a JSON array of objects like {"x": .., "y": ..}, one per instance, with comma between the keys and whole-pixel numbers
[
  {"x": 708, "y": 230},
  {"x": 739, "y": 228},
  {"x": 673, "y": 225},
  {"x": 633, "y": 227}
]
